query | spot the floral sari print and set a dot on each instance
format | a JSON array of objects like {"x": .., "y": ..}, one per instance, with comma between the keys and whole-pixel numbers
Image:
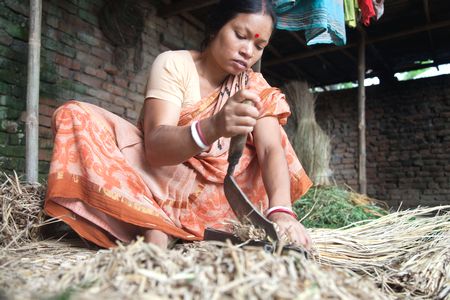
[{"x": 101, "y": 185}]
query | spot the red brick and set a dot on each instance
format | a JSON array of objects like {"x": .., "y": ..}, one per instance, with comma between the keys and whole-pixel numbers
[
  {"x": 88, "y": 59},
  {"x": 63, "y": 60},
  {"x": 98, "y": 33},
  {"x": 114, "y": 89},
  {"x": 113, "y": 108},
  {"x": 124, "y": 102},
  {"x": 110, "y": 69},
  {"x": 53, "y": 21},
  {"x": 141, "y": 88},
  {"x": 99, "y": 73},
  {"x": 76, "y": 65},
  {"x": 45, "y": 121},
  {"x": 66, "y": 62},
  {"x": 46, "y": 110},
  {"x": 45, "y": 132},
  {"x": 82, "y": 47},
  {"x": 103, "y": 54},
  {"x": 45, "y": 154},
  {"x": 132, "y": 87},
  {"x": 76, "y": 22},
  {"x": 136, "y": 97},
  {"x": 131, "y": 114},
  {"x": 45, "y": 143},
  {"x": 121, "y": 82},
  {"x": 100, "y": 94},
  {"x": 48, "y": 101},
  {"x": 64, "y": 72},
  {"x": 88, "y": 80}
]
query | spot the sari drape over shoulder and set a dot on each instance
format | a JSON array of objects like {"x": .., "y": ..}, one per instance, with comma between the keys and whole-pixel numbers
[{"x": 101, "y": 185}]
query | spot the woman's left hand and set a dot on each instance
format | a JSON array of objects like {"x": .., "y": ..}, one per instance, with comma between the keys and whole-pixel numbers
[{"x": 291, "y": 227}]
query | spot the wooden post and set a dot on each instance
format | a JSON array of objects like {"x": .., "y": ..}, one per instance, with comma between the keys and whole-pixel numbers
[
  {"x": 362, "y": 112},
  {"x": 32, "y": 116}
]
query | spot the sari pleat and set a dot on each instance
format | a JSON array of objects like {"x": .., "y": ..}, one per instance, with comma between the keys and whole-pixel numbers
[{"x": 100, "y": 184}]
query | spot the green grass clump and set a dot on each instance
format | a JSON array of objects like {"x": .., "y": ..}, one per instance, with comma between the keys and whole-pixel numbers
[{"x": 335, "y": 207}]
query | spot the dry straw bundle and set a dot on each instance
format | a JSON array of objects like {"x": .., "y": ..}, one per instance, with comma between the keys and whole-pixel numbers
[
  {"x": 407, "y": 253},
  {"x": 404, "y": 255},
  {"x": 21, "y": 211},
  {"x": 310, "y": 142},
  {"x": 204, "y": 270}
]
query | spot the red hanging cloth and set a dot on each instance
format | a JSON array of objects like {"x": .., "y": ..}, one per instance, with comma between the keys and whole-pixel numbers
[{"x": 367, "y": 11}]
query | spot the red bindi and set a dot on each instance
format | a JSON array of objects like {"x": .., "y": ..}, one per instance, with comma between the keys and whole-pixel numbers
[{"x": 256, "y": 35}]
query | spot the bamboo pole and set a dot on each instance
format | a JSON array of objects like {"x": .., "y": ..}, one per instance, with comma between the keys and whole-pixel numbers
[
  {"x": 362, "y": 112},
  {"x": 32, "y": 115}
]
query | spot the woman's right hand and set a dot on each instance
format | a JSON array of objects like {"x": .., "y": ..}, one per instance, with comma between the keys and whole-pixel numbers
[{"x": 237, "y": 117}]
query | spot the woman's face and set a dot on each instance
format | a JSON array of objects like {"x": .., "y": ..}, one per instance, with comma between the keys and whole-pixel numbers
[{"x": 240, "y": 43}]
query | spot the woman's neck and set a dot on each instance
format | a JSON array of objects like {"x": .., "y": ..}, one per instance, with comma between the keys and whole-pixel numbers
[{"x": 209, "y": 69}]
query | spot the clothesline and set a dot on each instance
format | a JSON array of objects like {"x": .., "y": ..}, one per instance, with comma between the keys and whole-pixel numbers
[{"x": 324, "y": 20}]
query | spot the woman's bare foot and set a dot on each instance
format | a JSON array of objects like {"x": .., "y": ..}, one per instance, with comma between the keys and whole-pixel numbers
[{"x": 157, "y": 237}]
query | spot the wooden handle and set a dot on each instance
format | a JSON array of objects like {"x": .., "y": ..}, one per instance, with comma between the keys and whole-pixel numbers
[{"x": 237, "y": 144}]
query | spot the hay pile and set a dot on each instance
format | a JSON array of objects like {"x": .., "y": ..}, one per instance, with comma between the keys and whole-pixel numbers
[
  {"x": 403, "y": 255},
  {"x": 406, "y": 253},
  {"x": 308, "y": 139},
  {"x": 204, "y": 270},
  {"x": 21, "y": 211},
  {"x": 336, "y": 207}
]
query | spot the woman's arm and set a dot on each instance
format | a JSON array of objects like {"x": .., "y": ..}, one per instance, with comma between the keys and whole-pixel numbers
[
  {"x": 272, "y": 160},
  {"x": 169, "y": 144},
  {"x": 165, "y": 142},
  {"x": 275, "y": 174}
]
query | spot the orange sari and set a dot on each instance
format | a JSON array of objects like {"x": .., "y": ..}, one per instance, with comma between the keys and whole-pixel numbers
[{"x": 100, "y": 184}]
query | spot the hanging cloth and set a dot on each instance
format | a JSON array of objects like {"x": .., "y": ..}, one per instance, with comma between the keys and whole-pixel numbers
[
  {"x": 378, "y": 5},
  {"x": 322, "y": 20},
  {"x": 350, "y": 7},
  {"x": 367, "y": 11},
  {"x": 282, "y": 6}
]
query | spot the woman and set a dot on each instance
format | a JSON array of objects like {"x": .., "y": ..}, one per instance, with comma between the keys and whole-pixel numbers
[{"x": 110, "y": 180}]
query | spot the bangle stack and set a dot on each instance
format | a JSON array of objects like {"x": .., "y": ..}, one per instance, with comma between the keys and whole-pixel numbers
[
  {"x": 198, "y": 136},
  {"x": 280, "y": 209}
]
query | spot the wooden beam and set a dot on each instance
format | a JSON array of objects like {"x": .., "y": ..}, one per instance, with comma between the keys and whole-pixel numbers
[
  {"x": 194, "y": 21},
  {"x": 348, "y": 55},
  {"x": 275, "y": 75},
  {"x": 304, "y": 75},
  {"x": 184, "y": 6},
  {"x": 369, "y": 41},
  {"x": 302, "y": 41},
  {"x": 362, "y": 113}
]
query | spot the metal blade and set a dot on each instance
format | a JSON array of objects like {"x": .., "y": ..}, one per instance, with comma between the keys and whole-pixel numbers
[{"x": 244, "y": 208}]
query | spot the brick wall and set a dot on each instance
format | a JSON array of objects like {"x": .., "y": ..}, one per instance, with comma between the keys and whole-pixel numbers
[
  {"x": 408, "y": 140},
  {"x": 76, "y": 63}
]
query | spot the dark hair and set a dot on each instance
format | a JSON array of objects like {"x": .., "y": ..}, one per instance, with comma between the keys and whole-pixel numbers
[{"x": 226, "y": 10}]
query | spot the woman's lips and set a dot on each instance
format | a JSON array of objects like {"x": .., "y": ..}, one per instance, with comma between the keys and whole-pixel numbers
[{"x": 240, "y": 64}]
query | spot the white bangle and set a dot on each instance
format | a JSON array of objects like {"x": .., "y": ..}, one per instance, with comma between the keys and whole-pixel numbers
[
  {"x": 284, "y": 208},
  {"x": 196, "y": 136}
]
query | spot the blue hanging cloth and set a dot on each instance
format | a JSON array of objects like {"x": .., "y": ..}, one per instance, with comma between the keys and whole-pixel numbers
[{"x": 322, "y": 20}]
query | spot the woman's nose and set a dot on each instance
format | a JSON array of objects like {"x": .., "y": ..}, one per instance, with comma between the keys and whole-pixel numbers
[{"x": 247, "y": 50}]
